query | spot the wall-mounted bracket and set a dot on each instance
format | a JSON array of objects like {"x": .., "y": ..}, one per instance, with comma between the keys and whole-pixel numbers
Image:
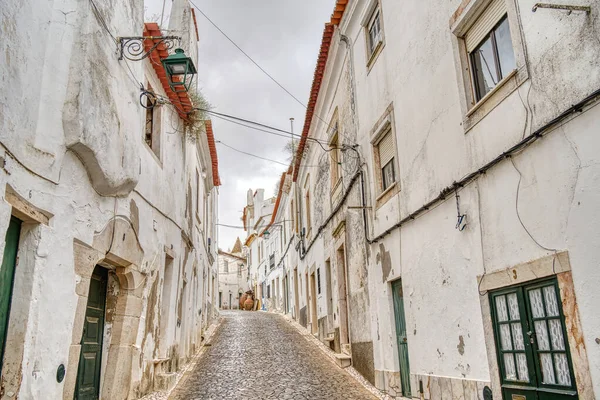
[
  {"x": 132, "y": 47},
  {"x": 569, "y": 8}
]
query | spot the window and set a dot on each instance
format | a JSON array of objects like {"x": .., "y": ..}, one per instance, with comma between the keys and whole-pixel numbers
[
  {"x": 318, "y": 280},
  {"x": 308, "y": 215},
  {"x": 375, "y": 35},
  {"x": 197, "y": 192},
  {"x": 152, "y": 125},
  {"x": 531, "y": 339},
  {"x": 226, "y": 269},
  {"x": 386, "y": 152},
  {"x": 336, "y": 158},
  {"x": 294, "y": 220},
  {"x": 240, "y": 269},
  {"x": 490, "y": 49},
  {"x": 268, "y": 291}
]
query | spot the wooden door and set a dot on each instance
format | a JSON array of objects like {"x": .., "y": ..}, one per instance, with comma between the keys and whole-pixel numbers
[
  {"x": 531, "y": 340},
  {"x": 313, "y": 303},
  {"x": 342, "y": 296},
  {"x": 401, "y": 337},
  {"x": 296, "y": 297},
  {"x": 7, "y": 275},
  {"x": 90, "y": 361}
]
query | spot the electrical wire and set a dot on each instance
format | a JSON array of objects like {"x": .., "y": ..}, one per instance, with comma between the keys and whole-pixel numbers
[
  {"x": 247, "y": 55},
  {"x": 328, "y": 125},
  {"x": 259, "y": 157}
]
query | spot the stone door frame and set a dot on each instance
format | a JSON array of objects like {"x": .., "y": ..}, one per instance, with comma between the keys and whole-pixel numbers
[{"x": 116, "y": 248}]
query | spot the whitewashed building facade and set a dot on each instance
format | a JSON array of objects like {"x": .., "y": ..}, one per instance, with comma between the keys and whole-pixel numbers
[
  {"x": 108, "y": 209},
  {"x": 233, "y": 277},
  {"x": 446, "y": 241}
]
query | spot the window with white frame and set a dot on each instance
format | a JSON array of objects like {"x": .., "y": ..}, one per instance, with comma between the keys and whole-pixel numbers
[
  {"x": 374, "y": 31},
  {"x": 489, "y": 45},
  {"x": 226, "y": 266},
  {"x": 386, "y": 152}
]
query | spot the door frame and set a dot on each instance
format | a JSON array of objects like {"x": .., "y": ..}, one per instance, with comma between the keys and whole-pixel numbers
[
  {"x": 14, "y": 225},
  {"x": 313, "y": 304},
  {"x": 554, "y": 265},
  {"x": 296, "y": 296},
  {"x": 342, "y": 291},
  {"x": 403, "y": 357},
  {"x": 535, "y": 374},
  {"x": 101, "y": 273}
]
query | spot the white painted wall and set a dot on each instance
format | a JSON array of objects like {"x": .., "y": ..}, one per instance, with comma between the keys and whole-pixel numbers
[
  {"x": 232, "y": 280},
  {"x": 71, "y": 115}
]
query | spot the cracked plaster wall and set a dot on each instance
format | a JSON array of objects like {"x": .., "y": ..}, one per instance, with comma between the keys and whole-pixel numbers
[
  {"x": 557, "y": 198},
  {"x": 74, "y": 95}
]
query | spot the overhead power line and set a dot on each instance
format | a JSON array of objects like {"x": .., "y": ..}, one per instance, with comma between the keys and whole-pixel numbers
[
  {"x": 247, "y": 55},
  {"x": 252, "y": 155},
  {"x": 328, "y": 125},
  {"x": 259, "y": 157}
]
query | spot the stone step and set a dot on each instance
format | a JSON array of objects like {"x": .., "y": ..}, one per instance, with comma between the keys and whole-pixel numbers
[
  {"x": 343, "y": 360},
  {"x": 165, "y": 381}
]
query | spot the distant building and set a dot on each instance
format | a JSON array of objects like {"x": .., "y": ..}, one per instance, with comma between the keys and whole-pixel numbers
[{"x": 233, "y": 277}]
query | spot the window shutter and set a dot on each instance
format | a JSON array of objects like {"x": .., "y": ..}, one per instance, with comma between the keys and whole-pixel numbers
[
  {"x": 485, "y": 23},
  {"x": 386, "y": 149}
]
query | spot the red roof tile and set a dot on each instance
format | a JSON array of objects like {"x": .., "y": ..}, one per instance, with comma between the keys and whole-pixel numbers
[
  {"x": 336, "y": 18},
  {"x": 213, "y": 153},
  {"x": 181, "y": 100},
  {"x": 195, "y": 25},
  {"x": 277, "y": 202}
]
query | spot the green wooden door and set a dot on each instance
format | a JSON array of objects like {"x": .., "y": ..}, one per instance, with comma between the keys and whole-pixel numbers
[
  {"x": 90, "y": 360},
  {"x": 401, "y": 337},
  {"x": 531, "y": 339},
  {"x": 7, "y": 275}
]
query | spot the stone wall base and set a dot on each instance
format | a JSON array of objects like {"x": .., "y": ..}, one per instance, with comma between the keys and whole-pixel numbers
[{"x": 434, "y": 387}]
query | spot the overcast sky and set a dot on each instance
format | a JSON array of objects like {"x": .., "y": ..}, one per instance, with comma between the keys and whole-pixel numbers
[{"x": 283, "y": 36}]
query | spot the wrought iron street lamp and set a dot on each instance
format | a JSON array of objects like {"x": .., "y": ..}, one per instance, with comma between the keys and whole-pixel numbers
[
  {"x": 132, "y": 47},
  {"x": 180, "y": 71}
]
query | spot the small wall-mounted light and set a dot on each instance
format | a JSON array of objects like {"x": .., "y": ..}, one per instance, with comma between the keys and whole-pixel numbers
[
  {"x": 180, "y": 71},
  {"x": 266, "y": 234}
]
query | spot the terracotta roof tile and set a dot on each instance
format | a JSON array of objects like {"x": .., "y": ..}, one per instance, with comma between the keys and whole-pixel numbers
[
  {"x": 181, "y": 100},
  {"x": 195, "y": 24},
  {"x": 336, "y": 18},
  {"x": 277, "y": 202},
  {"x": 213, "y": 153}
]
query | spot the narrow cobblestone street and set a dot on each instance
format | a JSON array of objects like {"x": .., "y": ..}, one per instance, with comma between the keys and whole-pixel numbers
[{"x": 255, "y": 355}]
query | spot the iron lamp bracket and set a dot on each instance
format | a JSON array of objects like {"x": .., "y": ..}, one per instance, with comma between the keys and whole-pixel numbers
[{"x": 133, "y": 48}]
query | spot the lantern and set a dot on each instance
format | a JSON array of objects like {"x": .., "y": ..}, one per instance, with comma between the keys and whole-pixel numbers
[{"x": 180, "y": 71}]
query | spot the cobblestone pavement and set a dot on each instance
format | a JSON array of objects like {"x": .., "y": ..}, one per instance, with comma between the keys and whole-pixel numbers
[{"x": 255, "y": 355}]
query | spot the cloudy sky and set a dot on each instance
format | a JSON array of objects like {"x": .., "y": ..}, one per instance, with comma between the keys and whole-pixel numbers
[{"x": 283, "y": 36}]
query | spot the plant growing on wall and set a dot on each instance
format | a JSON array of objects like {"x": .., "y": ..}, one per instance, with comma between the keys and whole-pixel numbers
[{"x": 195, "y": 126}]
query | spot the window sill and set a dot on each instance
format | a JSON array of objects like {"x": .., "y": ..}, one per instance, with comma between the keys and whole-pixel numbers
[
  {"x": 153, "y": 154},
  {"x": 495, "y": 97},
  {"x": 386, "y": 191},
  {"x": 491, "y": 93},
  {"x": 387, "y": 194},
  {"x": 375, "y": 55}
]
